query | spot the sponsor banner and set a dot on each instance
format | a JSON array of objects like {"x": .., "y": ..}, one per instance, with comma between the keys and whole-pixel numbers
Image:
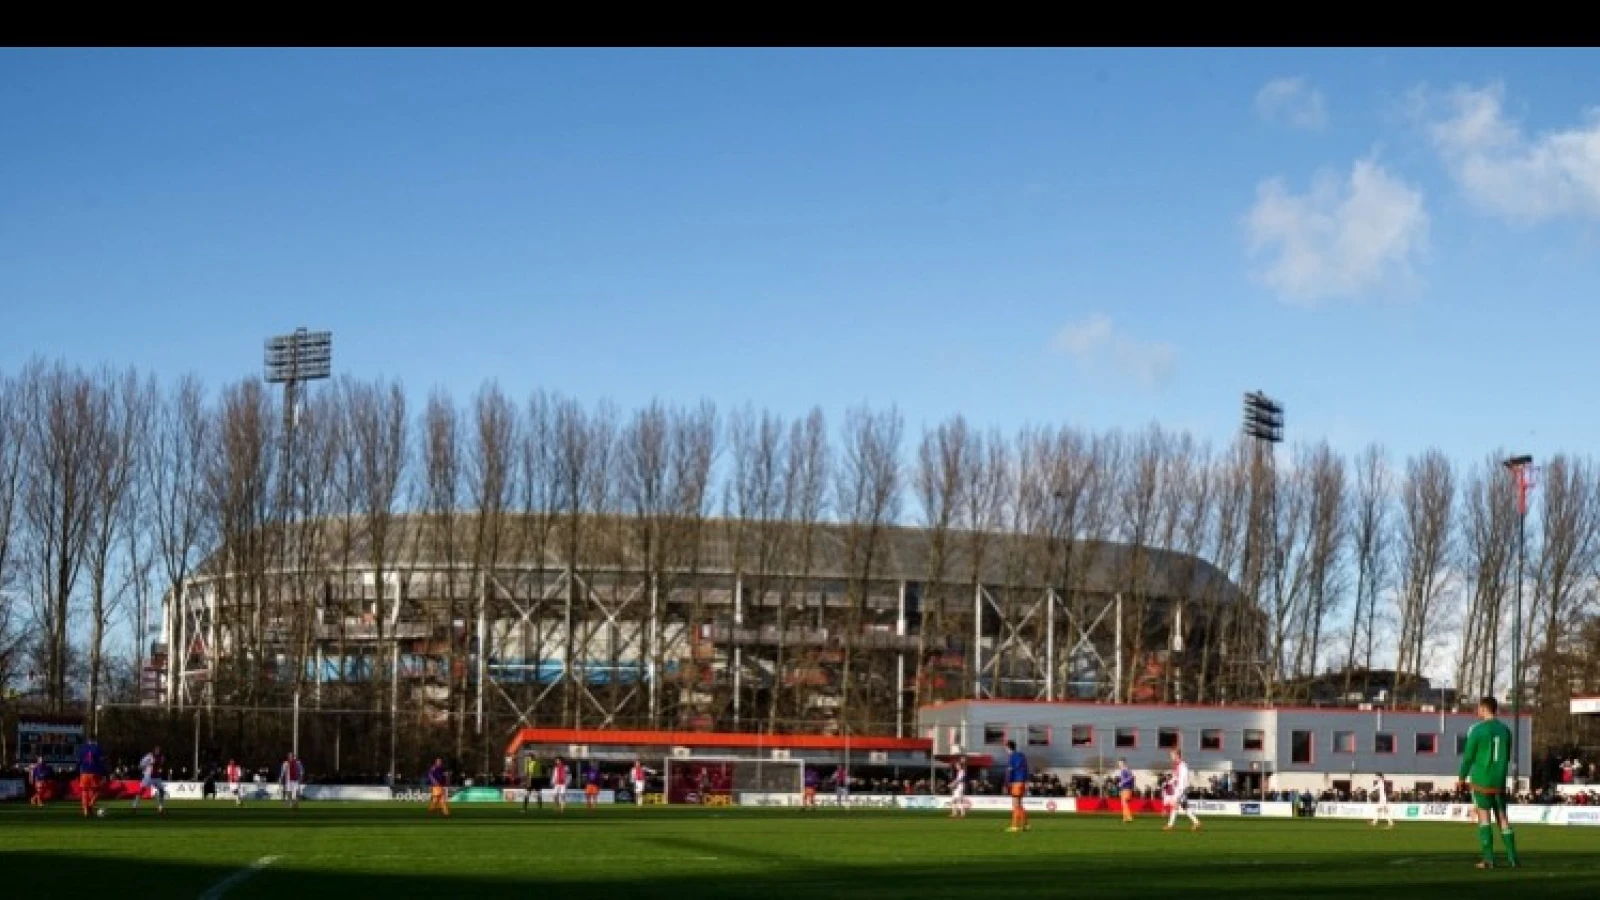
[
  {"x": 13, "y": 788},
  {"x": 1031, "y": 804},
  {"x": 1462, "y": 812},
  {"x": 924, "y": 801},
  {"x": 1114, "y": 805},
  {"x": 477, "y": 795},
  {"x": 760, "y": 798},
  {"x": 362, "y": 793},
  {"x": 515, "y": 795},
  {"x": 1578, "y": 815}
]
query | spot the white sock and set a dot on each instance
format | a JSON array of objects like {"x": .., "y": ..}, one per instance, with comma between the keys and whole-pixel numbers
[
  {"x": 1191, "y": 817},
  {"x": 1172, "y": 818}
]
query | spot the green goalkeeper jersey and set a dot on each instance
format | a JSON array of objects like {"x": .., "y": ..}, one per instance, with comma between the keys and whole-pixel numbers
[{"x": 1487, "y": 755}]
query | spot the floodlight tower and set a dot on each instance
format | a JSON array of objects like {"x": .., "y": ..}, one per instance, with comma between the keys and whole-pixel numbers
[
  {"x": 1263, "y": 424},
  {"x": 290, "y": 360},
  {"x": 1521, "y": 468}
]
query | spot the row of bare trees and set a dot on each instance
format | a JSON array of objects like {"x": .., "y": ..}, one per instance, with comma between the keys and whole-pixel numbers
[{"x": 114, "y": 490}]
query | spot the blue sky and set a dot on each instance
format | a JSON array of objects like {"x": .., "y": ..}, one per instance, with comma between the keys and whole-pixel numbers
[{"x": 1021, "y": 236}]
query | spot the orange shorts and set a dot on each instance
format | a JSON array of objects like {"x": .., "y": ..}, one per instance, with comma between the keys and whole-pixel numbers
[
  {"x": 811, "y": 792},
  {"x": 591, "y": 789},
  {"x": 88, "y": 783},
  {"x": 438, "y": 793},
  {"x": 1019, "y": 790}
]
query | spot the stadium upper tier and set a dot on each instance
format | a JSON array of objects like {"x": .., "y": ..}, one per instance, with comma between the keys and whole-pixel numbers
[
  {"x": 710, "y": 615},
  {"x": 725, "y": 547}
]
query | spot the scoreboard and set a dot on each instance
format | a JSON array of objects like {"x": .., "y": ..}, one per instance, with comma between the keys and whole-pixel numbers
[{"x": 57, "y": 740}]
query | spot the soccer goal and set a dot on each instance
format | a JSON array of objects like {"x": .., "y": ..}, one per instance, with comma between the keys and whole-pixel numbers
[{"x": 719, "y": 781}]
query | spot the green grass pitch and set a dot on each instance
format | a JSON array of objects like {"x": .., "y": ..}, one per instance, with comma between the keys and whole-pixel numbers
[{"x": 379, "y": 852}]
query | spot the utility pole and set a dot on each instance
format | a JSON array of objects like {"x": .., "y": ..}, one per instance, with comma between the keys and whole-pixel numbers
[{"x": 1521, "y": 468}]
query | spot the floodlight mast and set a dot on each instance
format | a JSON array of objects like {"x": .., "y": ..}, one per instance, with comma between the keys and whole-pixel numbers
[
  {"x": 1520, "y": 468},
  {"x": 291, "y": 359},
  {"x": 1263, "y": 424}
]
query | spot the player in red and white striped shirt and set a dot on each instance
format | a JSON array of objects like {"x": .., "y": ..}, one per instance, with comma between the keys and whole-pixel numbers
[
  {"x": 559, "y": 777},
  {"x": 234, "y": 774},
  {"x": 638, "y": 775}
]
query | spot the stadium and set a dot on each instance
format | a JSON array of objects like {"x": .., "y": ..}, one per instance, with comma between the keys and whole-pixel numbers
[{"x": 717, "y": 624}]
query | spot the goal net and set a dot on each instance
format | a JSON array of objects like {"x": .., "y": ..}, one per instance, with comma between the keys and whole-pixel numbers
[{"x": 721, "y": 781}]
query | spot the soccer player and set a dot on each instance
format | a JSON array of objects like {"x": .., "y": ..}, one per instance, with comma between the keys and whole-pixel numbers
[
  {"x": 1017, "y": 786},
  {"x": 290, "y": 776},
  {"x": 530, "y": 772},
  {"x": 1180, "y": 793},
  {"x": 40, "y": 776},
  {"x": 841, "y": 786},
  {"x": 1380, "y": 790},
  {"x": 958, "y": 791},
  {"x": 152, "y": 768},
  {"x": 91, "y": 768},
  {"x": 1125, "y": 789},
  {"x": 1483, "y": 769},
  {"x": 558, "y": 784},
  {"x": 808, "y": 800},
  {"x": 591, "y": 787},
  {"x": 235, "y": 774},
  {"x": 438, "y": 788},
  {"x": 639, "y": 772}
]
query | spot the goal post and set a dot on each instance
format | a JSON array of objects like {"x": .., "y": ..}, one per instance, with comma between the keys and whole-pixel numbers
[{"x": 718, "y": 781}]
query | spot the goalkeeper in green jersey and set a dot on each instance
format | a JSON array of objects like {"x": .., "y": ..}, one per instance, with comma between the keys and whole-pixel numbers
[{"x": 1483, "y": 769}]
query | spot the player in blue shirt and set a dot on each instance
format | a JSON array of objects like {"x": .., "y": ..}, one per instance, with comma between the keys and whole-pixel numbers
[
  {"x": 1017, "y": 786},
  {"x": 1125, "y": 789}
]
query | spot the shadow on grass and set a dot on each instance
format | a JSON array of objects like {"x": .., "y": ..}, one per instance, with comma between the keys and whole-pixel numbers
[{"x": 1426, "y": 876}]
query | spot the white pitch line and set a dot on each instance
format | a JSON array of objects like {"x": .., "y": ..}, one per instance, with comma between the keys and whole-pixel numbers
[{"x": 226, "y": 884}]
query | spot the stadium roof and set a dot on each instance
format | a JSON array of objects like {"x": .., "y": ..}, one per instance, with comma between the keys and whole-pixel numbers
[{"x": 902, "y": 553}]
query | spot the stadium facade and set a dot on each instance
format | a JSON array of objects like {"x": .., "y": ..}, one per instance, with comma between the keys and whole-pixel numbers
[{"x": 618, "y": 621}]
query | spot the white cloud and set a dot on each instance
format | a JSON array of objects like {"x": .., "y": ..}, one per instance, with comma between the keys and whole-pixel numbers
[
  {"x": 1097, "y": 345},
  {"x": 1506, "y": 172},
  {"x": 1293, "y": 102},
  {"x": 1343, "y": 239}
]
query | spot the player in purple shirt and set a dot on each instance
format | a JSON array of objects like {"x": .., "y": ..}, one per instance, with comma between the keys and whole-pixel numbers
[
  {"x": 40, "y": 776},
  {"x": 591, "y": 787},
  {"x": 438, "y": 788},
  {"x": 91, "y": 768}
]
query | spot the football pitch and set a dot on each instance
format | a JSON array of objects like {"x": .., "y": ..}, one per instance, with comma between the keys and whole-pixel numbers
[{"x": 379, "y": 852}]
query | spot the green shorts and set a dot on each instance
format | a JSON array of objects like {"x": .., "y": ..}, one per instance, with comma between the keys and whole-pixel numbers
[{"x": 1494, "y": 802}]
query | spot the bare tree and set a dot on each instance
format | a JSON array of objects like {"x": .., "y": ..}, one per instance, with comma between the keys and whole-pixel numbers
[
  {"x": 1327, "y": 522},
  {"x": 183, "y": 436},
  {"x": 58, "y": 506},
  {"x": 943, "y": 463},
  {"x": 1564, "y": 576},
  {"x": 1226, "y": 618},
  {"x": 12, "y": 437},
  {"x": 123, "y": 405},
  {"x": 242, "y": 496},
  {"x": 442, "y": 465},
  {"x": 805, "y": 491},
  {"x": 757, "y": 445},
  {"x": 868, "y": 491},
  {"x": 1427, "y": 502},
  {"x": 1371, "y": 531},
  {"x": 1489, "y": 538}
]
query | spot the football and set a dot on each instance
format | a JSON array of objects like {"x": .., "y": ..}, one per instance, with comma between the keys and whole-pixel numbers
[{"x": 100, "y": 811}]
